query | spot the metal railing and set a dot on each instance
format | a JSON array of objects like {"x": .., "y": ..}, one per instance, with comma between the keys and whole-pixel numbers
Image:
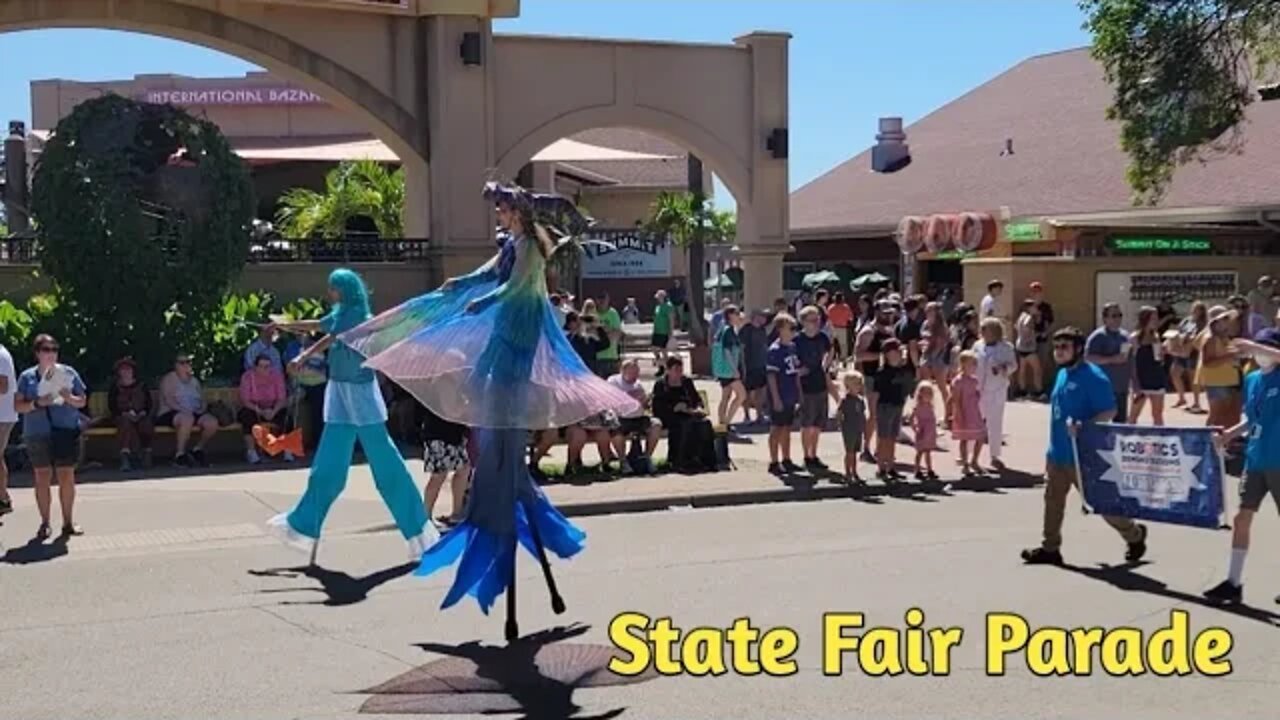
[{"x": 352, "y": 249}]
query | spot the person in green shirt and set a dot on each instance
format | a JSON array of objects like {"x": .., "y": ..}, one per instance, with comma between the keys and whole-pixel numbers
[
  {"x": 726, "y": 365},
  {"x": 663, "y": 312},
  {"x": 607, "y": 361}
]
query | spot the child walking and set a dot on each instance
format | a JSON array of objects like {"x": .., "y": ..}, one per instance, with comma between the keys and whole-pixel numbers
[
  {"x": 783, "y": 377},
  {"x": 852, "y": 416},
  {"x": 445, "y": 458},
  {"x": 924, "y": 422},
  {"x": 1262, "y": 455},
  {"x": 967, "y": 426},
  {"x": 892, "y": 386}
]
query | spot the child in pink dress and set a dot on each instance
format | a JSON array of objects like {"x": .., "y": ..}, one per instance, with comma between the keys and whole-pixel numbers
[
  {"x": 966, "y": 413},
  {"x": 924, "y": 421}
]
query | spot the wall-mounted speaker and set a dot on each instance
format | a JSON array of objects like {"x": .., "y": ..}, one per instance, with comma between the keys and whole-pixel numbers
[
  {"x": 471, "y": 51},
  {"x": 777, "y": 143}
]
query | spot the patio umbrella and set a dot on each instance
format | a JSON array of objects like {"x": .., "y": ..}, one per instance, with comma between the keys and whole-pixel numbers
[
  {"x": 724, "y": 282},
  {"x": 874, "y": 278},
  {"x": 820, "y": 278}
]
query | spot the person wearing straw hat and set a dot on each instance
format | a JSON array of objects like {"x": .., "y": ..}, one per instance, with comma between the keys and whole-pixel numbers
[{"x": 1219, "y": 369}]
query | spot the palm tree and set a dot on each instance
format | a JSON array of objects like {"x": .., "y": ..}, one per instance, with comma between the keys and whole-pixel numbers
[
  {"x": 690, "y": 221},
  {"x": 354, "y": 189}
]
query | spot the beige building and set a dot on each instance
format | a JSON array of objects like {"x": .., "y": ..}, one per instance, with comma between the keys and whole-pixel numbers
[
  {"x": 454, "y": 101},
  {"x": 291, "y": 137}
]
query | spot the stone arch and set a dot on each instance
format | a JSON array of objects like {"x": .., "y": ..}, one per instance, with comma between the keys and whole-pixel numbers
[
  {"x": 347, "y": 90},
  {"x": 717, "y": 155}
]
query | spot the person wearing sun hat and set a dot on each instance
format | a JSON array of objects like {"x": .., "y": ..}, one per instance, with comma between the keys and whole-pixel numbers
[
  {"x": 1261, "y": 426},
  {"x": 1219, "y": 369},
  {"x": 129, "y": 402}
]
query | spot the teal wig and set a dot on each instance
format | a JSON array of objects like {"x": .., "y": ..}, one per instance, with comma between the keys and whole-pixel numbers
[{"x": 353, "y": 297}]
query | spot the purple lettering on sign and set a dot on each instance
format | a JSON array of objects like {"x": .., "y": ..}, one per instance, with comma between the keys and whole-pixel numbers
[{"x": 232, "y": 96}]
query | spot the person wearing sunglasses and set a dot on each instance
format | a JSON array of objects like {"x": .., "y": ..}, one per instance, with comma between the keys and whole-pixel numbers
[
  {"x": 1082, "y": 394},
  {"x": 1109, "y": 347},
  {"x": 182, "y": 407},
  {"x": 50, "y": 396}
]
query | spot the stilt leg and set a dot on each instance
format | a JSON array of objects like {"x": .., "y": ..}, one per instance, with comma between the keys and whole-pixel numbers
[
  {"x": 315, "y": 550},
  {"x": 557, "y": 602},
  {"x": 513, "y": 628}
]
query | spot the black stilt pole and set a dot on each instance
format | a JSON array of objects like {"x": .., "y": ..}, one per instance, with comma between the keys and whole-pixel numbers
[
  {"x": 513, "y": 628},
  {"x": 557, "y": 602}
]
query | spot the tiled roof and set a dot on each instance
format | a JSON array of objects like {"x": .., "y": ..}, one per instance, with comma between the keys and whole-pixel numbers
[{"x": 1067, "y": 157}]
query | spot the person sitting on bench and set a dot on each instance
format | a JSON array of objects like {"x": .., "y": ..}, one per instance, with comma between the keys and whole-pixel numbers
[
  {"x": 640, "y": 424},
  {"x": 690, "y": 437}
]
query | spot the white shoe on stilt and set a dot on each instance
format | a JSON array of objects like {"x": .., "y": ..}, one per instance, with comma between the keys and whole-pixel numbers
[
  {"x": 418, "y": 544},
  {"x": 280, "y": 529}
]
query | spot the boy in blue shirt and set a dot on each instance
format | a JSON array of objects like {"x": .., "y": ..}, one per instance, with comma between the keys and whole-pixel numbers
[
  {"x": 783, "y": 367},
  {"x": 1262, "y": 455},
  {"x": 1082, "y": 394}
]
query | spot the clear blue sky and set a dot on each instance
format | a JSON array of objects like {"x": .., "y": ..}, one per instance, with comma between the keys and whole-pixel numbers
[{"x": 852, "y": 61}]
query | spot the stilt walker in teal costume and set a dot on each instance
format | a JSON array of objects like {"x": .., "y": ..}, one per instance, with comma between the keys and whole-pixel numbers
[
  {"x": 487, "y": 351},
  {"x": 353, "y": 411}
]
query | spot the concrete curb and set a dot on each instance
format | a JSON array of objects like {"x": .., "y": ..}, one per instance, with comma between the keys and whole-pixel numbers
[{"x": 800, "y": 493}]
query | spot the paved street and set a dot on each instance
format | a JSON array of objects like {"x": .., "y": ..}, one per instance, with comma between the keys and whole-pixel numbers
[{"x": 169, "y": 608}]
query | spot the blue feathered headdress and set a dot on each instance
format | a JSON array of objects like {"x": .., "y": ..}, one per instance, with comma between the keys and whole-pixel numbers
[{"x": 551, "y": 211}]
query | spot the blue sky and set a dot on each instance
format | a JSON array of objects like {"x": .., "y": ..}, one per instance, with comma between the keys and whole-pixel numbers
[{"x": 852, "y": 61}]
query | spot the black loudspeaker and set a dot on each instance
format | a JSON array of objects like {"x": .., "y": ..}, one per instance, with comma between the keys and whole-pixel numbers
[
  {"x": 470, "y": 50},
  {"x": 777, "y": 143}
]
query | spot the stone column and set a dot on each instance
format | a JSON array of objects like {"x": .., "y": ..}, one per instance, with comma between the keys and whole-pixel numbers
[
  {"x": 764, "y": 234},
  {"x": 459, "y": 110},
  {"x": 417, "y": 204}
]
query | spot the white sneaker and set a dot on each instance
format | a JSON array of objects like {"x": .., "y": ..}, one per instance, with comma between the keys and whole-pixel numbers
[
  {"x": 288, "y": 456},
  {"x": 252, "y": 457}
]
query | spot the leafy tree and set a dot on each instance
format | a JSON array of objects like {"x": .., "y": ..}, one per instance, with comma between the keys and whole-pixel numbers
[
  {"x": 141, "y": 210},
  {"x": 1183, "y": 71},
  {"x": 353, "y": 190},
  {"x": 690, "y": 221}
]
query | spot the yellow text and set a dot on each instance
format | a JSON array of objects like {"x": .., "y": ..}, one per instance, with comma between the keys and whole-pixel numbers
[{"x": 661, "y": 646}]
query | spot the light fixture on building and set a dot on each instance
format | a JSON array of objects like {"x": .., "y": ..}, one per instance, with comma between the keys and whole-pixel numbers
[
  {"x": 777, "y": 143},
  {"x": 471, "y": 50},
  {"x": 17, "y": 128}
]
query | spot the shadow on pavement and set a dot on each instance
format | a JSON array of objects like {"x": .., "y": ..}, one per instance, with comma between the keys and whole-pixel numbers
[
  {"x": 534, "y": 677},
  {"x": 340, "y": 588},
  {"x": 35, "y": 551},
  {"x": 1123, "y": 577}
]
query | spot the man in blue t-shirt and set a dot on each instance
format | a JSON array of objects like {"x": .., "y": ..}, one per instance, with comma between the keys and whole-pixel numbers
[
  {"x": 783, "y": 367},
  {"x": 1082, "y": 394},
  {"x": 1109, "y": 348},
  {"x": 814, "y": 349},
  {"x": 1262, "y": 455}
]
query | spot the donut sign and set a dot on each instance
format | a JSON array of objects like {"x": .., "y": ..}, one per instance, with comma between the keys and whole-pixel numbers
[
  {"x": 910, "y": 234},
  {"x": 966, "y": 232},
  {"x": 937, "y": 233}
]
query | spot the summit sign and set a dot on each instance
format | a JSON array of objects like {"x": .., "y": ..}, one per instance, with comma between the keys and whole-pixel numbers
[{"x": 243, "y": 96}]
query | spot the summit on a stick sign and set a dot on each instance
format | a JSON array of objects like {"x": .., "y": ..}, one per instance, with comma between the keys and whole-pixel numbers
[{"x": 1161, "y": 474}]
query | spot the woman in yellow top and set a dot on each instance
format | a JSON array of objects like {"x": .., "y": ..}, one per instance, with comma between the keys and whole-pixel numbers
[{"x": 1219, "y": 370}]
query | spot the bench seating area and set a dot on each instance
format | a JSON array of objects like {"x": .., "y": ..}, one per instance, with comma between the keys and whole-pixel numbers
[
  {"x": 101, "y": 416},
  {"x": 717, "y": 428}
]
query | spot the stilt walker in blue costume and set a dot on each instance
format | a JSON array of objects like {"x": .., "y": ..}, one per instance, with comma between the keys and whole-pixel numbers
[
  {"x": 486, "y": 351},
  {"x": 353, "y": 411}
]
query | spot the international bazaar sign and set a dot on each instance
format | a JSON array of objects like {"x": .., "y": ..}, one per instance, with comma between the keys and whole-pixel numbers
[{"x": 243, "y": 96}]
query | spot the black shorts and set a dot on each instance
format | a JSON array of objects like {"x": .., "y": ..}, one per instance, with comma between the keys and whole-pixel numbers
[
  {"x": 756, "y": 380},
  {"x": 784, "y": 418},
  {"x": 659, "y": 341},
  {"x": 44, "y": 453},
  {"x": 634, "y": 425},
  {"x": 167, "y": 419},
  {"x": 1026, "y": 353},
  {"x": 726, "y": 382}
]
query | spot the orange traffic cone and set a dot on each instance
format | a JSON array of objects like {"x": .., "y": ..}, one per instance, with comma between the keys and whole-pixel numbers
[{"x": 275, "y": 444}]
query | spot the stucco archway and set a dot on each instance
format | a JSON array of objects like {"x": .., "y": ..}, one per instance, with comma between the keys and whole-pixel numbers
[
  {"x": 718, "y": 157},
  {"x": 220, "y": 31}
]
